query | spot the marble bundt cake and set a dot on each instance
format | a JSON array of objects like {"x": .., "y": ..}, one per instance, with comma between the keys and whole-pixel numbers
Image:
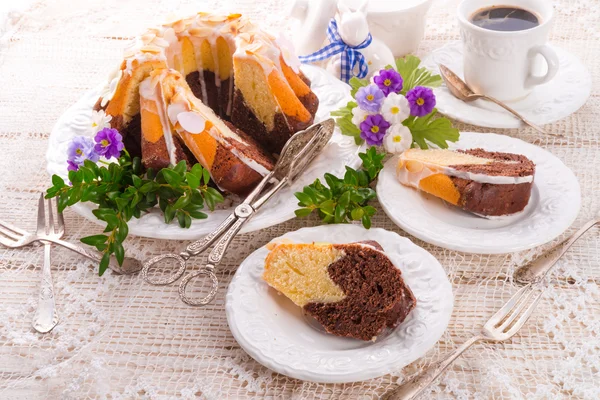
[
  {"x": 223, "y": 74},
  {"x": 485, "y": 183},
  {"x": 352, "y": 290}
]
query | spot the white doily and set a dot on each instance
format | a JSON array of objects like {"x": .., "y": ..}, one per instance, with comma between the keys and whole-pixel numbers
[{"x": 120, "y": 338}]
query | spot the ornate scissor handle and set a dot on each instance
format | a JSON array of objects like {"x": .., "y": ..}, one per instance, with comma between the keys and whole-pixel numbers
[
  {"x": 181, "y": 260},
  {"x": 208, "y": 271}
]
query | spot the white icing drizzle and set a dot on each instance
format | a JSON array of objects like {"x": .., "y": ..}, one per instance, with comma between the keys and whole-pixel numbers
[
  {"x": 164, "y": 44},
  {"x": 413, "y": 179},
  {"x": 152, "y": 91}
]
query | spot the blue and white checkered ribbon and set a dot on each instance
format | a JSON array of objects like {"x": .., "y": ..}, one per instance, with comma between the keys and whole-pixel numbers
[{"x": 350, "y": 55}]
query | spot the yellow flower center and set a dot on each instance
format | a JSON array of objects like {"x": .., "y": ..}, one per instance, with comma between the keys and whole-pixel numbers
[
  {"x": 370, "y": 97},
  {"x": 94, "y": 124},
  {"x": 79, "y": 151},
  {"x": 394, "y": 110},
  {"x": 104, "y": 143},
  {"x": 375, "y": 129},
  {"x": 387, "y": 82},
  {"x": 397, "y": 139},
  {"x": 420, "y": 101}
]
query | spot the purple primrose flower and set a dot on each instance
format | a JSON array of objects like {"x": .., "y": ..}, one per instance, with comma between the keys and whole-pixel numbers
[
  {"x": 369, "y": 98},
  {"x": 109, "y": 143},
  {"x": 389, "y": 81},
  {"x": 80, "y": 149},
  {"x": 373, "y": 129},
  {"x": 421, "y": 100}
]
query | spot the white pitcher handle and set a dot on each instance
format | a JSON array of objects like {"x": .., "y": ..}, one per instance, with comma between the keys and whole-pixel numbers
[{"x": 552, "y": 61}]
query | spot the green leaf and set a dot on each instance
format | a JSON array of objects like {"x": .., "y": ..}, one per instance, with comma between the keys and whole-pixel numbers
[
  {"x": 169, "y": 214},
  {"x": 356, "y": 84},
  {"x": 197, "y": 214},
  {"x": 437, "y": 131},
  {"x": 122, "y": 231},
  {"x": 206, "y": 176},
  {"x": 149, "y": 187},
  {"x": 137, "y": 181},
  {"x": 192, "y": 180},
  {"x": 180, "y": 168},
  {"x": 119, "y": 252},
  {"x": 182, "y": 202},
  {"x": 104, "y": 263},
  {"x": 340, "y": 214},
  {"x": 366, "y": 221},
  {"x": 136, "y": 165},
  {"x": 94, "y": 240},
  {"x": 170, "y": 176},
  {"x": 304, "y": 199},
  {"x": 357, "y": 214},
  {"x": 57, "y": 181},
  {"x": 345, "y": 111},
  {"x": 344, "y": 199},
  {"x": 327, "y": 207},
  {"x": 348, "y": 128},
  {"x": 181, "y": 219},
  {"x": 303, "y": 212},
  {"x": 414, "y": 76}
]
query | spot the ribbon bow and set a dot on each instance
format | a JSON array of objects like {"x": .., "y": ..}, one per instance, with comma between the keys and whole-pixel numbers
[{"x": 350, "y": 55}]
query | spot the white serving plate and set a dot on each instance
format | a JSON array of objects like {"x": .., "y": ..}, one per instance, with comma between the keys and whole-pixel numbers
[
  {"x": 272, "y": 329},
  {"x": 554, "y": 204},
  {"x": 550, "y": 102},
  {"x": 340, "y": 151}
]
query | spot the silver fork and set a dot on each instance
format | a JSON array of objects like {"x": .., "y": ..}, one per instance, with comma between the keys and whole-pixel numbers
[
  {"x": 501, "y": 326},
  {"x": 46, "y": 318},
  {"x": 11, "y": 236}
]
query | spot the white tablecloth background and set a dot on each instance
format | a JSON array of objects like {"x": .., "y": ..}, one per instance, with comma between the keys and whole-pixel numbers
[{"x": 121, "y": 338}]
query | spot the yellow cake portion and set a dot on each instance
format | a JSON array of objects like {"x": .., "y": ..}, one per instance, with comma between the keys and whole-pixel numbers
[
  {"x": 299, "y": 271},
  {"x": 426, "y": 170}
]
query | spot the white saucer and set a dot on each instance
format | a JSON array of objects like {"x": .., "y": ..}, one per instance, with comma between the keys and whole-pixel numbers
[
  {"x": 272, "y": 329},
  {"x": 554, "y": 205},
  {"x": 340, "y": 151},
  {"x": 555, "y": 100}
]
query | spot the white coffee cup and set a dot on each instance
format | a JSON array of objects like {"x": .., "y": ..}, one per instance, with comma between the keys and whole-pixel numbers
[{"x": 507, "y": 65}]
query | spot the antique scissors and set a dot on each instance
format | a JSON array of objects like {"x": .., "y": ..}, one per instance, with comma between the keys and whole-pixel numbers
[{"x": 296, "y": 155}]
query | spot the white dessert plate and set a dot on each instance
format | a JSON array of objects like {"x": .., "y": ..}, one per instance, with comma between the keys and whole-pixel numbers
[
  {"x": 554, "y": 204},
  {"x": 555, "y": 100},
  {"x": 272, "y": 329},
  {"x": 340, "y": 151}
]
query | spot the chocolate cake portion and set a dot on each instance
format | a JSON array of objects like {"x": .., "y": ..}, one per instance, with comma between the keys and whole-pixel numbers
[
  {"x": 156, "y": 155},
  {"x": 488, "y": 199},
  {"x": 376, "y": 295},
  {"x": 508, "y": 164},
  {"x": 273, "y": 141}
]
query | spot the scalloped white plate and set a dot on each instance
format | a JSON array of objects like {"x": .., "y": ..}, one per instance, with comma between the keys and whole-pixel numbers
[
  {"x": 555, "y": 100},
  {"x": 554, "y": 205},
  {"x": 340, "y": 151},
  {"x": 272, "y": 329}
]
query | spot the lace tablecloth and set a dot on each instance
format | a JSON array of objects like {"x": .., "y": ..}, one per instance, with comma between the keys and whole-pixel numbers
[{"x": 121, "y": 338}]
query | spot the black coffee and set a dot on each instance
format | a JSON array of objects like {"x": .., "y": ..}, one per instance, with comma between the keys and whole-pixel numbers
[{"x": 505, "y": 19}]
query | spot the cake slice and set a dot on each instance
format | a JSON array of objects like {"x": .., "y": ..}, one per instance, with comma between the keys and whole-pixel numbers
[
  {"x": 352, "y": 290},
  {"x": 485, "y": 183},
  {"x": 235, "y": 161}
]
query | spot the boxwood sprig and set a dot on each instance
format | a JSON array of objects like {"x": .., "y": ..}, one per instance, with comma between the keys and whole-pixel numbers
[
  {"x": 122, "y": 190},
  {"x": 345, "y": 199}
]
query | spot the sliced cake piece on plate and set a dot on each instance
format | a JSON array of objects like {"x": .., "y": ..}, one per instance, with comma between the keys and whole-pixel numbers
[
  {"x": 489, "y": 184},
  {"x": 352, "y": 290}
]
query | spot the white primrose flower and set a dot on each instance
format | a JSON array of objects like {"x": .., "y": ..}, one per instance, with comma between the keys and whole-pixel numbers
[
  {"x": 100, "y": 121},
  {"x": 395, "y": 108},
  {"x": 359, "y": 115},
  {"x": 397, "y": 139}
]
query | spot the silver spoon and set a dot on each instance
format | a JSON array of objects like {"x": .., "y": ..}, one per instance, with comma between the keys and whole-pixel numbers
[
  {"x": 462, "y": 91},
  {"x": 537, "y": 269}
]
